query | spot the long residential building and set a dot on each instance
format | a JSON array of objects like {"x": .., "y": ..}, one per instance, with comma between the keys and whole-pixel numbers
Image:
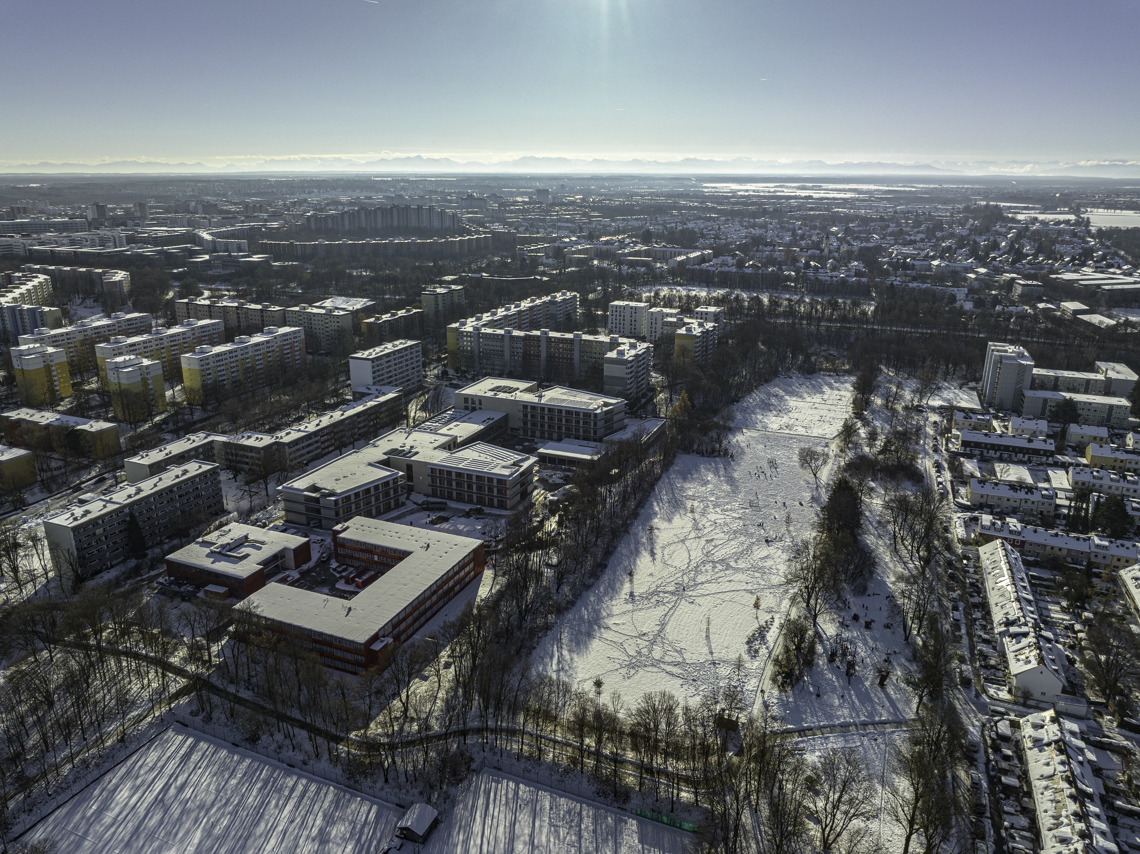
[
  {"x": 290, "y": 449},
  {"x": 93, "y": 438},
  {"x": 234, "y": 314},
  {"x": 557, "y": 356},
  {"x": 1022, "y": 500},
  {"x": 1058, "y": 764},
  {"x": 1003, "y": 446},
  {"x": 79, "y": 339},
  {"x": 533, "y": 313},
  {"x": 1039, "y": 543},
  {"x": 93, "y": 535},
  {"x": 165, "y": 345},
  {"x": 114, "y": 285},
  {"x": 396, "y": 363},
  {"x": 552, "y": 414},
  {"x": 1092, "y": 409},
  {"x": 42, "y": 374},
  {"x": 416, "y": 573},
  {"x": 1036, "y": 664},
  {"x": 246, "y": 362},
  {"x": 23, "y": 305},
  {"x": 393, "y": 325}
]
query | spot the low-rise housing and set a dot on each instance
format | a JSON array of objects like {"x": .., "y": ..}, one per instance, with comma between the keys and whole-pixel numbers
[
  {"x": 17, "y": 469},
  {"x": 356, "y": 484},
  {"x": 1020, "y": 500},
  {"x": 1037, "y": 543},
  {"x": 1058, "y": 763},
  {"x": 971, "y": 421},
  {"x": 1104, "y": 482},
  {"x": 1113, "y": 458},
  {"x": 416, "y": 571},
  {"x": 91, "y": 437},
  {"x": 1038, "y": 427},
  {"x": 1036, "y": 664},
  {"x": 1003, "y": 446},
  {"x": 238, "y": 557}
]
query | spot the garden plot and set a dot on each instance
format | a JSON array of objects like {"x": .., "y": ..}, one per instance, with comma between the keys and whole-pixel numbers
[
  {"x": 674, "y": 608},
  {"x": 187, "y": 794},
  {"x": 500, "y": 814}
]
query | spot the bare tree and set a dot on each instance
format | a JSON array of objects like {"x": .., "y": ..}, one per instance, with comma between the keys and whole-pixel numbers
[
  {"x": 841, "y": 797},
  {"x": 1113, "y": 660},
  {"x": 814, "y": 575},
  {"x": 812, "y": 460}
]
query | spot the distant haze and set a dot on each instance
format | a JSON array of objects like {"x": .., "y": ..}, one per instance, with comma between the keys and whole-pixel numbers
[{"x": 720, "y": 86}]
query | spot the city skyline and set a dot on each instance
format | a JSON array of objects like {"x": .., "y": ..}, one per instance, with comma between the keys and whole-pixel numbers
[{"x": 970, "y": 88}]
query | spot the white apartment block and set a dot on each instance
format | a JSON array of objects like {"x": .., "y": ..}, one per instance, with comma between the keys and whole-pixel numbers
[
  {"x": 628, "y": 318},
  {"x": 79, "y": 339},
  {"x": 234, "y": 314},
  {"x": 1119, "y": 379},
  {"x": 1076, "y": 382},
  {"x": 356, "y": 484},
  {"x": 658, "y": 321},
  {"x": 246, "y": 362},
  {"x": 972, "y": 421},
  {"x": 710, "y": 314},
  {"x": 442, "y": 301},
  {"x": 1093, "y": 409},
  {"x": 1019, "y": 499},
  {"x": 552, "y": 414},
  {"x": 397, "y": 363},
  {"x": 325, "y": 329},
  {"x": 163, "y": 344},
  {"x": 1006, "y": 376},
  {"x": 1036, "y": 664},
  {"x": 626, "y": 371}
]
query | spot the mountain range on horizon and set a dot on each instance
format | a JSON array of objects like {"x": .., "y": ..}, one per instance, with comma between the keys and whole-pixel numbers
[{"x": 537, "y": 164}]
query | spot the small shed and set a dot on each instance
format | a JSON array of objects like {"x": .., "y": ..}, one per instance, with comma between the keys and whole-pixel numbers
[
  {"x": 216, "y": 591},
  {"x": 417, "y": 823}
]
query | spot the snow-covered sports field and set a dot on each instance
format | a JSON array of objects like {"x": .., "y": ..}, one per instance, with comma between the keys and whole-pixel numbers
[
  {"x": 501, "y": 814},
  {"x": 186, "y": 793},
  {"x": 674, "y": 608}
]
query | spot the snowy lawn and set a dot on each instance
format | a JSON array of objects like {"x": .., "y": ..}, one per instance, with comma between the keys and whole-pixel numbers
[
  {"x": 710, "y": 539},
  {"x": 500, "y": 814},
  {"x": 186, "y": 793}
]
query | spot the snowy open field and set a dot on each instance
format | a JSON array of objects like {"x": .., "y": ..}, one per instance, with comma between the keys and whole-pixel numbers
[
  {"x": 718, "y": 541},
  {"x": 500, "y": 814},
  {"x": 186, "y": 793}
]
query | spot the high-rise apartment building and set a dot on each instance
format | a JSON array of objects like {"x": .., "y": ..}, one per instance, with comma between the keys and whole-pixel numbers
[
  {"x": 249, "y": 361},
  {"x": 137, "y": 387},
  {"x": 79, "y": 339},
  {"x": 42, "y": 374},
  {"x": 326, "y": 329},
  {"x": 165, "y": 345},
  {"x": 442, "y": 301},
  {"x": 1007, "y": 375},
  {"x": 397, "y": 363},
  {"x": 628, "y": 318}
]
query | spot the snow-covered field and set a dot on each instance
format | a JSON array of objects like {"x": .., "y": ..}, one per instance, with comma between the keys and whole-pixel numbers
[
  {"x": 500, "y": 814},
  {"x": 958, "y": 398},
  {"x": 186, "y": 793},
  {"x": 674, "y": 608}
]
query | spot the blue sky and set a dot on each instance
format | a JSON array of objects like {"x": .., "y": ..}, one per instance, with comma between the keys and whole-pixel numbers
[{"x": 231, "y": 81}]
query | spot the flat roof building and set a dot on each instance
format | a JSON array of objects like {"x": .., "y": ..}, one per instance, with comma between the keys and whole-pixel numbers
[
  {"x": 1003, "y": 446},
  {"x": 1006, "y": 376},
  {"x": 627, "y": 318},
  {"x": 420, "y": 572},
  {"x": 325, "y": 329},
  {"x": 553, "y": 414},
  {"x": 238, "y": 557},
  {"x": 247, "y": 362},
  {"x": 356, "y": 484},
  {"x": 438, "y": 303},
  {"x": 165, "y": 345},
  {"x": 79, "y": 339},
  {"x": 396, "y": 363},
  {"x": 93, "y": 535},
  {"x": 42, "y": 374},
  {"x": 137, "y": 387},
  {"x": 393, "y": 325}
]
